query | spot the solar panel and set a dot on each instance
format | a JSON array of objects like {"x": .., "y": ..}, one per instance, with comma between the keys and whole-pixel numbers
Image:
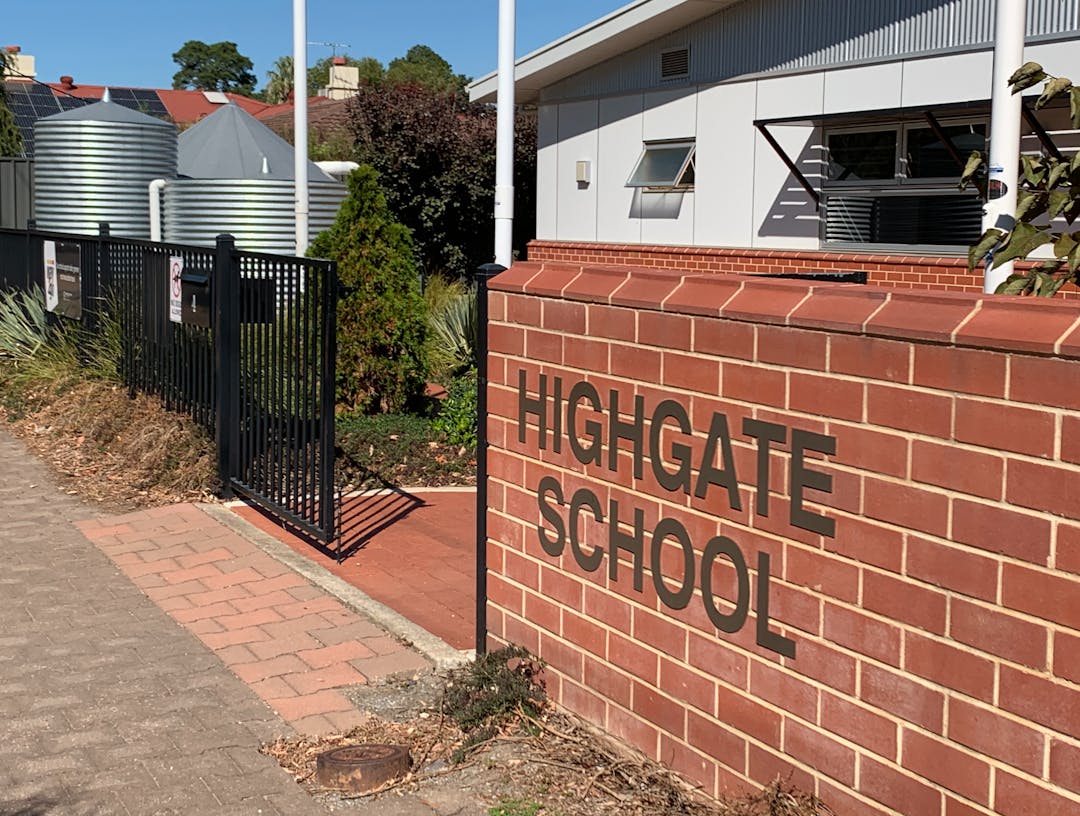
[
  {"x": 121, "y": 95},
  {"x": 145, "y": 95}
]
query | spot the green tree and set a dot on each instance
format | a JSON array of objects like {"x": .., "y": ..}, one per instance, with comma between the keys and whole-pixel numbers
[
  {"x": 11, "y": 143},
  {"x": 435, "y": 153},
  {"x": 216, "y": 67},
  {"x": 1049, "y": 190},
  {"x": 422, "y": 66},
  {"x": 318, "y": 76},
  {"x": 279, "y": 81},
  {"x": 382, "y": 327}
]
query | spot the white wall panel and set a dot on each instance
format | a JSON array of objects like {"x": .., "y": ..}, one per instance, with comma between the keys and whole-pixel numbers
[
  {"x": 956, "y": 78},
  {"x": 547, "y": 168},
  {"x": 867, "y": 87},
  {"x": 1060, "y": 58},
  {"x": 800, "y": 95},
  {"x": 619, "y": 149},
  {"x": 784, "y": 214},
  {"x": 577, "y": 141},
  {"x": 670, "y": 114},
  {"x": 725, "y": 165}
]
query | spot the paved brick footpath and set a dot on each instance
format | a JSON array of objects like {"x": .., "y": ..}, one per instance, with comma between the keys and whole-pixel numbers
[{"x": 107, "y": 706}]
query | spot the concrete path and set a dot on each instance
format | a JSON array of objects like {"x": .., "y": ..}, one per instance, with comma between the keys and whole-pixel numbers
[{"x": 107, "y": 706}]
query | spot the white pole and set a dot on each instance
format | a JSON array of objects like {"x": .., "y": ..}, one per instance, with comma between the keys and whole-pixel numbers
[
  {"x": 1004, "y": 174},
  {"x": 300, "y": 123},
  {"x": 504, "y": 146}
]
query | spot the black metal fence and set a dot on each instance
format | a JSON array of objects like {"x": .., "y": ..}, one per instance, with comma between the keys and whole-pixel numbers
[{"x": 243, "y": 342}]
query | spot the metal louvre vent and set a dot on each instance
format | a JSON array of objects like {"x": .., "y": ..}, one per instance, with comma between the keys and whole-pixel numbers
[
  {"x": 934, "y": 220},
  {"x": 675, "y": 63}
]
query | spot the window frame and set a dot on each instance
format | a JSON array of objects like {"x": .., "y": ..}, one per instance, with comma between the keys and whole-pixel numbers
[
  {"x": 899, "y": 184},
  {"x": 677, "y": 184}
]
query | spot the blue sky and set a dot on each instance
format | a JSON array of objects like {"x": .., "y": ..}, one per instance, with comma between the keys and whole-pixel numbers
[{"x": 120, "y": 42}]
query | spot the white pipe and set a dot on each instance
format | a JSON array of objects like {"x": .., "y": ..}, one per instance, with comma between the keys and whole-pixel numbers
[
  {"x": 300, "y": 124},
  {"x": 337, "y": 169},
  {"x": 156, "y": 186},
  {"x": 504, "y": 145},
  {"x": 1004, "y": 173}
]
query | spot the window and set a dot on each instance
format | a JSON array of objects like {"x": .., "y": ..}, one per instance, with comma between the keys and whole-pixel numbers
[
  {"x": 664, "y": 166},
  {"x": 895, "y": 185},
  {"x": 862, "y": 155}
]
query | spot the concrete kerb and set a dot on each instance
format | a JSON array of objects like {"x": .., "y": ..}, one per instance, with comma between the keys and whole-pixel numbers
[{"x": 434, "y": 648}]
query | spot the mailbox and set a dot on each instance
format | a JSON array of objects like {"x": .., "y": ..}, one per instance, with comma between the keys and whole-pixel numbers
[{"x": 195, "y": 295}]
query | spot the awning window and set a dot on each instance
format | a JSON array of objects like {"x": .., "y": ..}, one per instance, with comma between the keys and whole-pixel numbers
[{"x": 664, "y": 165}]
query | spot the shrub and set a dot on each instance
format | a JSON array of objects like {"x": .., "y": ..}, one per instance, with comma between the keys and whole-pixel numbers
[
  {"x": 381, "y": 322},
  {"x": 457, "y": 417},
  {"x": 453, "y": 333}
]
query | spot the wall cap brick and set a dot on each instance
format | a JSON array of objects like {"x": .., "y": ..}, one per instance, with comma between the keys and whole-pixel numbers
[{"x": 998, "y": 322}]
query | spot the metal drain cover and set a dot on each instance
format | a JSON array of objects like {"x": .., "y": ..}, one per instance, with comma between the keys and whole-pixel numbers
[{"x": 360, "y": 768}]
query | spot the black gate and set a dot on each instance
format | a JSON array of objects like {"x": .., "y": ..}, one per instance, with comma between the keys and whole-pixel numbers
[
  {"x": 243, "y": 342},
  {"x": 275, "y": 357}
]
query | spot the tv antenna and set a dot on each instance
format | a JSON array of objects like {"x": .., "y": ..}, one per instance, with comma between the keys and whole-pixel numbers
[{"x": 331, "y": 45}]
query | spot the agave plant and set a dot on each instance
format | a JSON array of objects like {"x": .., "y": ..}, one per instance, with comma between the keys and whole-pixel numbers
[
  {"x": 454, "y": 333},
  {"x": 24, "y": 330}
]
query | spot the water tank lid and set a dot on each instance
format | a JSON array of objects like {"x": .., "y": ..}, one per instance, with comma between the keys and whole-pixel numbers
[
  {"x": 230, "y": 143},
  {"x": 105, "y": 111}
]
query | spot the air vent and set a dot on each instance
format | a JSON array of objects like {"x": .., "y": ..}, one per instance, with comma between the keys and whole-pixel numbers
[{"x": 675, "y": 63}]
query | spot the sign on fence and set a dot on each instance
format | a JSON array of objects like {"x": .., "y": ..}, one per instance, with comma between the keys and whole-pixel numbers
[
  {"x": 63, "y": 278},
  {"x": 176, "y": 299}
]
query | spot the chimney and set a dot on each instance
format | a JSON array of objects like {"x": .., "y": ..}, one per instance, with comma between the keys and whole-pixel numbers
[
  {"x": 67, "y": 83},
  {"x": 22, "y": 64},
  {"x": 338, "y": 61}
]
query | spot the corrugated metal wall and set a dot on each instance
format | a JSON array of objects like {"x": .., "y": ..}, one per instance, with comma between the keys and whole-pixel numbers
[
  {"x": 16, "y": 192},
  {"x": 757, "y": 36}
]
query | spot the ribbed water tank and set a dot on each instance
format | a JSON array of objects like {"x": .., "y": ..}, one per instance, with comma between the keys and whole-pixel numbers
[
  {"x": 236, "y": 176},
  {"x": 94, "y": 163}
]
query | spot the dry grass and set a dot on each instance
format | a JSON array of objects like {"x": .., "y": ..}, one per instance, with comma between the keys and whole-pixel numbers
[
  {"x": 119, "y": 451},
  {"x": 549, "y": 760}
]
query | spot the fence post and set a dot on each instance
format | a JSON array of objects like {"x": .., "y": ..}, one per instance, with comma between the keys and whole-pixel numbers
[
  {"x": 104, "y": 275},
  {"x": 483, "y": 274},
  {"x": 226, "y": 327},
  {"x": 327, "y": 404},
  {"x": 28, "y": 278}
]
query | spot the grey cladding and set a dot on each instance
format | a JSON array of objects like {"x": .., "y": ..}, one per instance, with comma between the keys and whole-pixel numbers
[{"x": 759, "y": 36}]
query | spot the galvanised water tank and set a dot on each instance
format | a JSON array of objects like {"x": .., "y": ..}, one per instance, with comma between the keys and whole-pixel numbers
[
  {"x": 236, "y": 176},
  {"x": 94, "y": 164}
]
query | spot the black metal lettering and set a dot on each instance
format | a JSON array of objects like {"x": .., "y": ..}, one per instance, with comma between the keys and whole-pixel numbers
[
  {"x": 633, "y": 544},
  {"x": 765, "y": 433},
  {"x": 724, "y": 476},
  {"x": 680, "y": 478},
  {"x": 633, "y": 432},
  {"x": 594, "y": 453},
  {"x": 733, "y": 622},
  {"x": 557, "y": 418},
  {"x": 584, "y": 498},
  {"x": 550, "y": 487},
  {"x": 769, "y": 639},
  {"x": 670, "y": 528},
  {"x": 536, "y": 407},
  {"x": 802, "y": 478}
]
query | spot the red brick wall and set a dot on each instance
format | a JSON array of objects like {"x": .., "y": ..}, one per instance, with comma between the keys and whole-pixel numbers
[
  {"x": 927, "y": 581},
  {"x": 944, "y": 274}
]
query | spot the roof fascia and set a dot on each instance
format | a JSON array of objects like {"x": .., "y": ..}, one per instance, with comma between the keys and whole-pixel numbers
[{"x": 624, "y": 29}]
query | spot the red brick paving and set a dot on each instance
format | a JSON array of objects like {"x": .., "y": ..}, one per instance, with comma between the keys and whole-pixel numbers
[
  {"x": 422, "y": 565},
  {"x": 291, "y": 642}
]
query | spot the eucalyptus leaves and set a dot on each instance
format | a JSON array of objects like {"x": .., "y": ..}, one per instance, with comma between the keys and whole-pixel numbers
[{"x": 1049, "y": 190}]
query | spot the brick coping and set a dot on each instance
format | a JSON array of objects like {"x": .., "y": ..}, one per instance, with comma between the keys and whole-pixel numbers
[{"x": 1004, "y": 323}]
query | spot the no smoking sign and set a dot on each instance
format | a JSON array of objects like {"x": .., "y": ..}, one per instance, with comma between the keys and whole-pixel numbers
[{"x": 176, "y": 303}]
